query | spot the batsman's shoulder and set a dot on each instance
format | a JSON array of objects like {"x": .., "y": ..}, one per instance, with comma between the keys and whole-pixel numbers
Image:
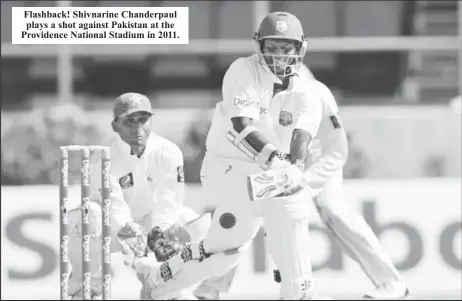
[
  {"x": 311, "y": 92},
  {"x": 327, "y": 97},
  {"x": 243, "y": 65},
  {"x": 317, "y": 91},
  {"x": 322, "y": 89}
]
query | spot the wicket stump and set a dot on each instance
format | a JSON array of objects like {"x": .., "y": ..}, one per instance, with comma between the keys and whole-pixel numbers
[{"x": 86, "y": 235}]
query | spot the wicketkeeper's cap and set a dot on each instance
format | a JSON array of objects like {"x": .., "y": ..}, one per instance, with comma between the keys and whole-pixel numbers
[{"x": 129, "y": 103}]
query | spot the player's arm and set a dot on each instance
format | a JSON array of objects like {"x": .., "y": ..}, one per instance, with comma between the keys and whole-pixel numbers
[
  {"x": 120, "y": 211},
  {"x": 308, "y": 116},
  {"x": 171, "y": 187},
  {"x": 257, "y": 144},
  {"x": 121, "y": 215},
  {"x": 308, "y": 113},
  {"x": 307, "y": 122},
  {"x": 335, "y": 150},
  {"x": 242, "y": 105}
]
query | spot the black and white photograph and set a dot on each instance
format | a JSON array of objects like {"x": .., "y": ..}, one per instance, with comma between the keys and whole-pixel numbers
[{"x": 231, "y": 150}]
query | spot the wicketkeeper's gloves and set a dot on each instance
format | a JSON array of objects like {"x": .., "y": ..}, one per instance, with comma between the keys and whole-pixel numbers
[
  {"x": 166, "y": 244},
  {"x": 133, "y": 242}
]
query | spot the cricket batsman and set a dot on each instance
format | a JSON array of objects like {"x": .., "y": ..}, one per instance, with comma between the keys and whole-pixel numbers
[
  {"x": 147, "y": 188},
  {"x": 325, "y": 165},
  {"x": 323, "y": 177},
  {"x": 262, "y": 96}
]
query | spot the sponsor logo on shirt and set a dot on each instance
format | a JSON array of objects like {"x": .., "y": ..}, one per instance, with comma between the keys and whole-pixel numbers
[
  {"x": 285, "y": 118},
  {"x": 126, "y": 181},
  {"x": 245, "y": 103}
]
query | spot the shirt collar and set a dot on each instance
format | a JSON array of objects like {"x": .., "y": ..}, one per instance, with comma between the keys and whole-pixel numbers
[{"x": 125, "y": 149}]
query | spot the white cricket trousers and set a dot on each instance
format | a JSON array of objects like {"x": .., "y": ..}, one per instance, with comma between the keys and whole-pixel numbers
[{"x": 353, "y": 233}]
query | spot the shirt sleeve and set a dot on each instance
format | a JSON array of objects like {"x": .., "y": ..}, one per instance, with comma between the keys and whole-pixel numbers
[
  {"x": 171, "y": 187},
  {"x": 120, "y": 211},
  {"x": 334, "y": 150},
  {"x": 308, "y": 114},
  {"x": 240, "y": 96}
]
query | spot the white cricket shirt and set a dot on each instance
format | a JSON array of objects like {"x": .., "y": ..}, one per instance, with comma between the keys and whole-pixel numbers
[
  {"x": 248, "y": 91},
  {"x": 149, "y": 189},
  {"x": 329, "y": 148}
]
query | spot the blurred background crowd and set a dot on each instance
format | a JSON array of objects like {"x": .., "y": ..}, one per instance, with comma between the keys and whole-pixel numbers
[{"x": 401, "y": 102}]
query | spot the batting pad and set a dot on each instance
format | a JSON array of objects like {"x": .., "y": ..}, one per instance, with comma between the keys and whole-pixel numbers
[{"x": 287, "y": 238}]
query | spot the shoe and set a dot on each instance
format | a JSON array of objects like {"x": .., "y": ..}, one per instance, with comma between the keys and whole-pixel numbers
[
  {"x": 206, "y": 293},
  {"x": 306, "y": 296},
  {"x": 397, "y": 291}
]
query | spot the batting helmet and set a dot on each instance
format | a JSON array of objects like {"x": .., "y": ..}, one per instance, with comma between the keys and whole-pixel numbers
[{"x": 281, "y": 25}]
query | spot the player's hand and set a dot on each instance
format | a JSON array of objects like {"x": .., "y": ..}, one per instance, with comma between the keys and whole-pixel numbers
[
  {"x": 292, "y": 174},
  {"x": 134, "y": 229},
  {"x": 280, "y": 161},
  {"x": 294, "y": 180},
  {"x": 275, "y": 182},
  {"x": 133, "y": 242}
]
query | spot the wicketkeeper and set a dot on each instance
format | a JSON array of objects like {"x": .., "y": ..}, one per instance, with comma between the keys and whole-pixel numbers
[{"x": 147, "y": 186}]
